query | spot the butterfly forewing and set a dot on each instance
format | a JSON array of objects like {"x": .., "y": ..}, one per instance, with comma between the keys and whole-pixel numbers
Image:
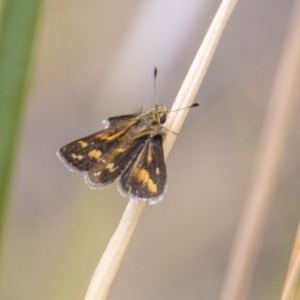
[
  {"x": 145, "y": 177},
  {"x": 84, "y": 153}
]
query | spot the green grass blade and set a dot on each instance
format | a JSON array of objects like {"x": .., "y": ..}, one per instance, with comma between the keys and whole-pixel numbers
[{"x": 18, "y": 24}]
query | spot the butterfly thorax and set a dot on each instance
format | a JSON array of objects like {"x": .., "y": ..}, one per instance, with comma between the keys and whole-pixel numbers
[{"x": 151, "y": 121}]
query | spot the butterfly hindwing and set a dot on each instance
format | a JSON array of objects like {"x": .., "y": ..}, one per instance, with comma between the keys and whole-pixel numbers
[{"x": 145, "y": 177}]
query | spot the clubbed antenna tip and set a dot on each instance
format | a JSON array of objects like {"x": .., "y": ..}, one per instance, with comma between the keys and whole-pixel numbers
[{"x": 154, "y": 88}]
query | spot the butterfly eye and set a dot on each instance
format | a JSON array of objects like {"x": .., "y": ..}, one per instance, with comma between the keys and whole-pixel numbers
[{"x": 162, "y": 118}]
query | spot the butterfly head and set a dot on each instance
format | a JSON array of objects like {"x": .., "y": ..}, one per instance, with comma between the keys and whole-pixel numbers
[{"x": 161, "y": 112}]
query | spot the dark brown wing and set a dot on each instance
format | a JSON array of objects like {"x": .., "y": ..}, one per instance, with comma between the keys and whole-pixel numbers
[
  {"x": 112, "y": 121},
  {"x": 82, "y": 154},
  {"x": 145, "y": 178}
]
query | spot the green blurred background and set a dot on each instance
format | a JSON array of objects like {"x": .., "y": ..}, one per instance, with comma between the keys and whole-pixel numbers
[{"x": 94, "y": 59}]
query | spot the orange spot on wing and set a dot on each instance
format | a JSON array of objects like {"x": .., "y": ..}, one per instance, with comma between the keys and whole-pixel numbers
[
  {"x": 149, "y": 155},
  {"x": 82, "y": 144},
  {"x": 78, "y": 157},
  {"x": 143, "y": 176},
  {"x": 110, "y": 137},
  {"x": 95, "y": 154}
]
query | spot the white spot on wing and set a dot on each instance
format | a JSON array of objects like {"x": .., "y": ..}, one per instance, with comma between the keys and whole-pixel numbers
[{"x": 106, "y": 123}]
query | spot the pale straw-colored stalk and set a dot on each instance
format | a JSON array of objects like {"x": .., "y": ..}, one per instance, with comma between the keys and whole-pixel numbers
[
  {"x": 293, "y": 273},
  {"x": 108, "y": 266},
  {"x": 273, "y": 137}
]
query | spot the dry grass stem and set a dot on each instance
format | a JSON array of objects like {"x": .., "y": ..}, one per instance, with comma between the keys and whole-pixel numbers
[
  {"x": 275, "y": 129},
  {"x": 112, "y": 257},
  {"x": 293, "y": 272}
]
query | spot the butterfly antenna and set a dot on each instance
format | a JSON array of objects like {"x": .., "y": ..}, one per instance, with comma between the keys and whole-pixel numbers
[
  {"x": 193, "y": 105},
  {"x": 154, "y": 87}
]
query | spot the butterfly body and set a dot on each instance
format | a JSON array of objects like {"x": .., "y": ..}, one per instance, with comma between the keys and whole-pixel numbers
[{"x": 129, "y": 147}]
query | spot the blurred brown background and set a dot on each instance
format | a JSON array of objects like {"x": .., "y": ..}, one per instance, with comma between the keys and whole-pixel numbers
[{"x": 95, "y": 59}]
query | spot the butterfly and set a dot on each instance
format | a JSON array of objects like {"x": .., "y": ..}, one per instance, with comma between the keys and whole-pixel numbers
[{"x": 130, "y": 147}]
